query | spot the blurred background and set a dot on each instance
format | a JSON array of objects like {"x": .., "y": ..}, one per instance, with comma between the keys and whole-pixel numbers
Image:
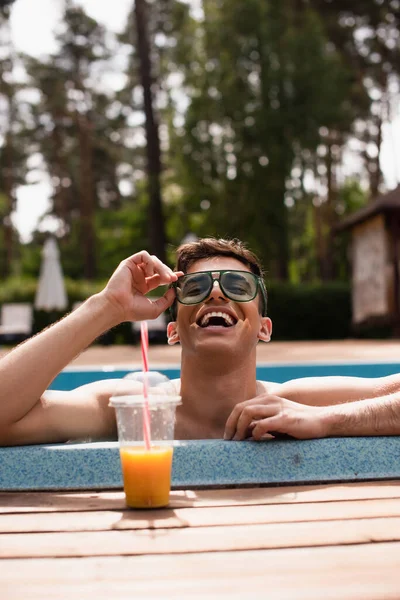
[{"x": 141, "y": 124}]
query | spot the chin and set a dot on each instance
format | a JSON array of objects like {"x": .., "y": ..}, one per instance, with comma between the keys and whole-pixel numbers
[{"x": 218, "y": 343}]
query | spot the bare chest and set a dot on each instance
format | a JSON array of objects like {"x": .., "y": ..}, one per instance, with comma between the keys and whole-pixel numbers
[{"x": 189, "y": 428}]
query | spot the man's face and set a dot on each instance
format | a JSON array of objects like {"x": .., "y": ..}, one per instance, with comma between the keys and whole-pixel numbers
[{"x": 219, "y": 322}]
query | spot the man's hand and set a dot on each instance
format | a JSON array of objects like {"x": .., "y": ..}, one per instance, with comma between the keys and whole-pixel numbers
[
  {"x": 135, "y": 277},
  {"x": 266, "y": 414}
]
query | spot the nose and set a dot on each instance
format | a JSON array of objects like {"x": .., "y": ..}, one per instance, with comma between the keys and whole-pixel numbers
[{"x": 216, "y": 292}]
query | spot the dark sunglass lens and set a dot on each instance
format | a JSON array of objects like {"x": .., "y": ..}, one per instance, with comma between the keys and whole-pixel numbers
[
  {"x": 240, "y": 286},
  {"x": 193, "y": 288}
]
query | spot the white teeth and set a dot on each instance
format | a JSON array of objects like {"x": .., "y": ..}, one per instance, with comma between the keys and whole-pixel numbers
[{"x": 227, "y": 318}]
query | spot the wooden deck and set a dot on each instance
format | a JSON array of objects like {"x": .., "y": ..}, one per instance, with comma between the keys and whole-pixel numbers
[{"x": 327, "y": 541}]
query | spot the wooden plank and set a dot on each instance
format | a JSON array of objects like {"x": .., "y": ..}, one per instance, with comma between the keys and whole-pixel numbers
[
  {"x": 199, "y": 539},
  {"x": 365, "y": 572},
  {"x": 20, "y": 502},
  {"x": 198, "y": 517}
]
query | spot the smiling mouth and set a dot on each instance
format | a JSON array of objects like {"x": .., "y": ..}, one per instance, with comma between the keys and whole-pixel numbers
[{"x": 216, "y": 319}]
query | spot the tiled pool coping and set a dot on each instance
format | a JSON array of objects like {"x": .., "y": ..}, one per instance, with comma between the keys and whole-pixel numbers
[{"x": 205, "y": 463}]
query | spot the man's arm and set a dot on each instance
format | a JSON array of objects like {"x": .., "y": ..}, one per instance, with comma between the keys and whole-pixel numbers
[
  {"x": 266, "y": 414},
  {"x": 375, "y": 416},
  {"x": 27, "y": 371},
  {"x": 325, "y": 391},
  {"x": 27, "y": 413}
]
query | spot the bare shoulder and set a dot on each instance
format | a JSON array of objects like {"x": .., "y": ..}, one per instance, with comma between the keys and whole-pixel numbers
[
  {"x": 105, "y": 388},
  {"x": 265, "y": 387}
]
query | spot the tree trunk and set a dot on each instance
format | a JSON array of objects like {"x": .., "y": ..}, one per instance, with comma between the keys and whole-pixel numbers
[
  {"x": 285, "y": 162},
  {"x": 87, "y": 197},
  {"x": 319, "y": 239},
  {"x": 156, "y": 218},
  {"x": 8, "y": 169},
  {"x": 9, "y": 192},
  {"x": 373, "y": 164},
  {"x": 395, "y": 232},
  {"x": 282, "y": 231},
  {"x": 60, "y": 171},
  {"x": 327, "y": 259}
]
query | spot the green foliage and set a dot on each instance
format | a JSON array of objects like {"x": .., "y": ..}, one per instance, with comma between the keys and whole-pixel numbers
[
  {"x": 261, "y": 83},
  {"x": 304, "y": 241},
  {"x": 23, "y": 289},
  {"x": 18, "y": 289},
  {"x": 77, "y": 134},
  {"x": 30, "y": 257},
  {"x": 120, "y": 233},
  {"x": 310, "y": 312},
  {"x": 350, "y": 198}
]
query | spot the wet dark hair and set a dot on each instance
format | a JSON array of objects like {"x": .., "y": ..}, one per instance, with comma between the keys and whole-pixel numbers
[{"x": 208, "y": 247}]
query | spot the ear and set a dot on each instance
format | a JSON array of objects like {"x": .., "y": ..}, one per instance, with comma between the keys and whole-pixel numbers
[
  {"x": 172, "y": 333},
  {"x": 265, "y": 331}
]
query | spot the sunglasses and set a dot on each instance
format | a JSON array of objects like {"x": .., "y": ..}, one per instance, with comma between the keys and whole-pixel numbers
[{"x": 239, "y": 286}]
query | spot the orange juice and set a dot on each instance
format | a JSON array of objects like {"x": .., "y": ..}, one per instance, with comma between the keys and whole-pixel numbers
[{"x": 147, "y": 475}]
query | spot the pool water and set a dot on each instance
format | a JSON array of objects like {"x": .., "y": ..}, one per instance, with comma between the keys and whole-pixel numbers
[{"x": 71, "y": 378}]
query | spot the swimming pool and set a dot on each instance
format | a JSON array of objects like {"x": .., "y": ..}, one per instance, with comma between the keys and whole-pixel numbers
[
  {"x": 71, "y": 377},
  {"x": 205, "y": 463}
]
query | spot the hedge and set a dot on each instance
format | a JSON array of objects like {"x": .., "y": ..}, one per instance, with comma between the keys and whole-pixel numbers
[{"x": 310, "y": 312}]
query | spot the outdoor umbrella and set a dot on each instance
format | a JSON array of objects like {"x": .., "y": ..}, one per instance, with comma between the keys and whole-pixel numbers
[{"x": 50, "y": 293}]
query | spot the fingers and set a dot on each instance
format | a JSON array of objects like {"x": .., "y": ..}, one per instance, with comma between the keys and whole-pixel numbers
[
  {"x": 230, "y": 425},
  {"x": 136, "y": 276},
  {"x": 232, "y": 422},
  {"x": 250, "y": 414},
  {"x": 272, "y": 415},
  {"x": 164, "y": 302},
  {"x": 266, "y": 426},
  {"x": 260, "y": 421},
  {"x": 151, "y": 309},
  {"x": 151, "y": 266}
]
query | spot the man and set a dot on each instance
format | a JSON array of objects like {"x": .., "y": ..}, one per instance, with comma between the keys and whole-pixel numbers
[{"x": 220, "y": 305}]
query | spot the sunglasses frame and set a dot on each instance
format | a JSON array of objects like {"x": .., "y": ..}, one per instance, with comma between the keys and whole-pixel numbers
[{"x": 260, "y": 285}]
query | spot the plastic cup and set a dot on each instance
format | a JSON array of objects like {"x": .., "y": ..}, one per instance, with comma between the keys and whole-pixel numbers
[{"x": 146, "y": 472}]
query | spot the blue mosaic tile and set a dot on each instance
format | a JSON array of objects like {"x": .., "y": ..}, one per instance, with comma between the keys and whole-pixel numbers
[{"x": 201, "y": 463}]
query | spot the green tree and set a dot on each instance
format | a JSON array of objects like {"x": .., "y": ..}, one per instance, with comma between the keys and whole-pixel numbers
[
  {"x": 261, "y": 83},
  {"x": 143, "y": 81},
  {"x": 77, "y": 132},
  {"x": 12, "y": 152},
  {"x": 366, "y": 35}
]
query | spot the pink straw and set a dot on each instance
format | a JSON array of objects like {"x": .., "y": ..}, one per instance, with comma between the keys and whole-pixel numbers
[{"x": 146, "y": 410}]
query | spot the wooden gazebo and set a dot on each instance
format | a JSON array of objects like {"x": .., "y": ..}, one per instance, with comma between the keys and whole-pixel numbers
[{"x": 375, "y": 256}]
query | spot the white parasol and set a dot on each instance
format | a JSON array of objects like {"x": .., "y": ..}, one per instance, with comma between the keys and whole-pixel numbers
[{"x": 50, "y": 293}]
